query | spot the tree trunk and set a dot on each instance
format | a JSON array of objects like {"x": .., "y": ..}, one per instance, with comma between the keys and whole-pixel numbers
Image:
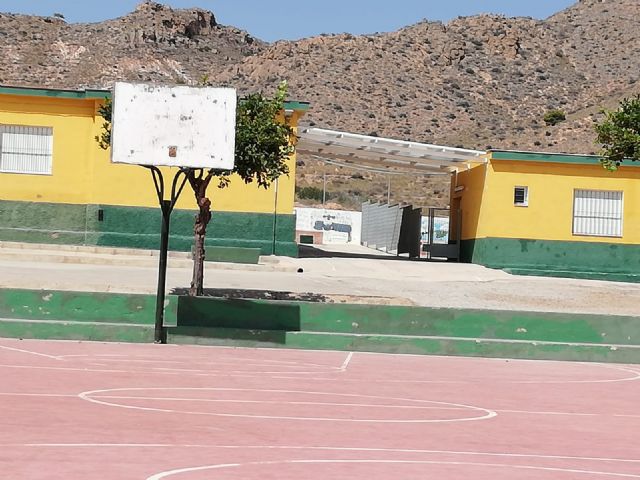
[{"x": 202, "y": 219}]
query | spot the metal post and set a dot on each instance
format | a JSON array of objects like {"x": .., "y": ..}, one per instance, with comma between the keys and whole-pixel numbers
[
  {"x": 160, "y": 332},
  {"x": 160, "y": 335},
  {"x": 388, "y": 189},
  {"x": 275, "y": 217},
  {"x": 324, "y": 185}
]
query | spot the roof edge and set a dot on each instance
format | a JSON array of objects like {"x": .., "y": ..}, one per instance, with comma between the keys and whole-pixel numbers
[
  {"x": 99, "y": 94},
  {"x": 546, "y": 157}
]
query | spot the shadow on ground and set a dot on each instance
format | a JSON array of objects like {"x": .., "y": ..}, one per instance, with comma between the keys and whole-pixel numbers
[
  {"x": 232, "y": 293},
  {"x": 308, "y": 251}
]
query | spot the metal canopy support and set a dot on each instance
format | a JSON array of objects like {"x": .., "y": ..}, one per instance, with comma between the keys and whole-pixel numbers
[{"x": 160, "y": 332}]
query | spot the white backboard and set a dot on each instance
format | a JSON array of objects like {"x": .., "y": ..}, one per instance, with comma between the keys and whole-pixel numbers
[{"x": 176, "y": 126}]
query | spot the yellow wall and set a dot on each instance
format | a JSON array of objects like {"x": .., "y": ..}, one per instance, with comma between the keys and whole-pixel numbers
[
  {"x": 469, "y": 200},
  {"x": 83, "y": 173},
  {"x": 549, "y": 214},
  {"x": 72, "y": 122}
]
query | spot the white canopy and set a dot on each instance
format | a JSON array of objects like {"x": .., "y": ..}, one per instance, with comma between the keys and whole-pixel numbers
[{"x": 384, "y": 154}]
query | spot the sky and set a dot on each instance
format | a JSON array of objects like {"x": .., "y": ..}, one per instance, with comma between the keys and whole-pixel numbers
[{"x": 277, "y": 20}]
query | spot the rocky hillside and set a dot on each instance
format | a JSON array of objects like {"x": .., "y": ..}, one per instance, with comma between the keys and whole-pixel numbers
[
  {"x": 153, "y": 43},
  {"x": 478, "y": 82}
]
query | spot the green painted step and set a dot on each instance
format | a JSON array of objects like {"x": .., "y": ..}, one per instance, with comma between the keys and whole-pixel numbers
[
  {"x": 232, "y": 254},
  {"x": 84, "y": 306},
  {"x": 402, "y": 320},
  {"x": 71, "y": 330},
  {"x": 608, "y": 277},
  {"x": 402, "y": 344}
]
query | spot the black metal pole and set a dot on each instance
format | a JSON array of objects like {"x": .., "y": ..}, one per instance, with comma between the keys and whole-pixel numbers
[
  {"x": 160, "y": 335},
  {"x": 160, "y": 332}
]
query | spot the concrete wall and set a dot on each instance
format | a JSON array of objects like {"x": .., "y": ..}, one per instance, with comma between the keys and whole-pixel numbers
[{"x": 335, "y": 226}]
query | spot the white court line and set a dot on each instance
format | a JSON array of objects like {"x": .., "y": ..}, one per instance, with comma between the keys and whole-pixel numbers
[
  {"x": 30, "y": 352},
  {"x": 231, "y": 374},
  {"x": 9, "y": 394},
  {"x": 577, "y": 414},
  {"x": 94, "y": 355},
  {"x": 636, "y": 376},
  {"x": 326, "y": 351},
  {"x": 91, "y": 396},
  {"x": 170, "y": 473},
  {"x": 408, "y": 407},
  {"x": 284, "y": 375},
  {"x": 345, "y": 364},
  {"x": 279, "y": 402},
  {"x": 325, "y": 448}
]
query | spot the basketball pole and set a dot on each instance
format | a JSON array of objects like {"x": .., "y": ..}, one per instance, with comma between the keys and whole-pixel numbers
[{"x": 166, "y": 206}]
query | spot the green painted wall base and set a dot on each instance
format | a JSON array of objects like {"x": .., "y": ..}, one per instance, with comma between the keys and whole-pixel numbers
[
  {"x": 376, "y": 328},
  {"x": 88, "y": 331},
  {"x": 116, "y": 308},
  {"x": 400, "y": 329},
  {"x": 415, "y": 345},
  {"x": 232, "y": 255},
  {"x": 137, "y": 227},
  {"x": 589, "y": 260}
]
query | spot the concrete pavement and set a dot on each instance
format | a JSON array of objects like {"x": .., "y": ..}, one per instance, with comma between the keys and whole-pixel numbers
[{"x": 350, "y": 275}]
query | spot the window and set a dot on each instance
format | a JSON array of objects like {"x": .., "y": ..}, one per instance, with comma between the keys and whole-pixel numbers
[
  {"x": 597, "y": 213},
  {"x": 25, "y": 149},
  {"x": 521, "y": 196}
]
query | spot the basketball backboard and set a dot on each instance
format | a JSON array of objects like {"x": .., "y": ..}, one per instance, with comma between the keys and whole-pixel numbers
[{"x": 177, "y": 126}]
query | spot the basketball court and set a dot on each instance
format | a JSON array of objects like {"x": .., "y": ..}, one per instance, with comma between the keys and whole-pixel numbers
[{"x": 151, "y": 412}]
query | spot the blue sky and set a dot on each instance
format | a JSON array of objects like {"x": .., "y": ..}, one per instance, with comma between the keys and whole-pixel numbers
[{"x": 273, "y": 20}]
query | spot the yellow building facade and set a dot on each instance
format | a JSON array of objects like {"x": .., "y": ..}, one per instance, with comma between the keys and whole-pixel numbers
[
  {"x": 58, "y": 186},
  {"x": 550, "y": 214}
]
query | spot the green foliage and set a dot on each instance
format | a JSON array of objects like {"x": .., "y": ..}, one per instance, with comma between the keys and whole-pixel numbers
[
  {"x": 105, "y": 111},
  {"x": 263, "y": 142},
  {"x": 553, "y": 117},
  {"x": 619, "y": 134},
  {"x": 310, "y": 193}
]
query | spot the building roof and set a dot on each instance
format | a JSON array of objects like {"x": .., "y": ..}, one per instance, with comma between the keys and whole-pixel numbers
[
  {"x": 543, "y": 157},
  {"x": 55, "y": 93},
  {"x": 89, "y": 94},
  {"x": 384, "y": 154}
]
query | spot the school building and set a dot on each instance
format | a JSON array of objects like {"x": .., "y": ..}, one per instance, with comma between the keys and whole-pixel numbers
[
  {"x": 58, "y": 186},
  {"x": 550, "y": 214}
]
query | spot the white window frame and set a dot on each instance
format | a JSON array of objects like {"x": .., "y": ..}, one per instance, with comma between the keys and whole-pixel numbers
[
  {"x": 595, "y": 228},
  {"x": 31, "y": 148},
  {"x": 526, "y": 196}
]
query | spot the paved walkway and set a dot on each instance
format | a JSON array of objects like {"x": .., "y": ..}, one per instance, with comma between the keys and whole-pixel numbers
[{"x": 352, "y": 275}]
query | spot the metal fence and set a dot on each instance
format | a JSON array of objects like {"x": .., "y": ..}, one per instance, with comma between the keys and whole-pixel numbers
[{"x": 391, "y": 228}]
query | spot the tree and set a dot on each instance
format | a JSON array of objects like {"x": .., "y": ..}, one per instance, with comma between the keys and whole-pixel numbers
[
  {"x": 264, "y": 142},
  {"x": 619, "y": 134},
  {"x": 553, "y": 117}
]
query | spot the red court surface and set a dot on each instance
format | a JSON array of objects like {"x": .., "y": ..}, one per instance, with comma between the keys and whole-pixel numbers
[{"x": 95, "y": 411}]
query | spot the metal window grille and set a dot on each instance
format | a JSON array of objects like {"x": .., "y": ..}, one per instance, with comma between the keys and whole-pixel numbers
[
  {"x": 521, "y": 196},
  {"x": 26, "y": 149},
  {"x": 597, "y": 213}
]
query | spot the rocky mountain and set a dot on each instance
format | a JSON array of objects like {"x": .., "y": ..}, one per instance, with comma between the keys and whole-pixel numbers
[
  {"x": 154, "y": 43},
  {"x": 478, "y": 82}
]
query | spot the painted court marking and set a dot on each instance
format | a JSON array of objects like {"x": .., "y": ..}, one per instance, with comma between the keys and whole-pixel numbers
[
  {"x": 346, "y": 362},
  {"x": 179, "y": 399},
  {"x": 99, "y": 396},
  {"x": 29, "y": 352},
  {"x": 289, "y": 366},
  {"x": 171, "y": 473},
  {"x": 283, "y": 375},
  {"x": 326, "y": 448}
]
